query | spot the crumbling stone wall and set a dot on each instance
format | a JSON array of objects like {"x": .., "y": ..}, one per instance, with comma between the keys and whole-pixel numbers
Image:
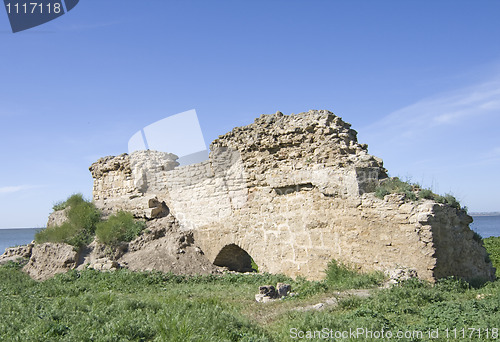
[
  {"x": 146, "y": 180},
  {"x": 293, "y": 192}
]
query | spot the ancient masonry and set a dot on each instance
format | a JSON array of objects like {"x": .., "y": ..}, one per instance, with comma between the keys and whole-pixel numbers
[{"x": 292, "y": 192}]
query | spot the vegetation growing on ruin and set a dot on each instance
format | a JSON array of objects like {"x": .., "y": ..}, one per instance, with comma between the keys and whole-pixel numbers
[
  {"x": 84, "y": 222},
  {"x": 413, "y": 192},
  {"x": 80, "y": 226},
  {"x": 72, "y": 201},
  {"x": 395, "y": 186},
  {"x": 119, "y": 227}
]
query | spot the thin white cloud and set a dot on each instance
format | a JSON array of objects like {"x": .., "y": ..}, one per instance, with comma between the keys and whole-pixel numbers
[
  {"x": 448, "y": 141},
  {"x": 491, "y": 156},
  {"x": 443, "y": 110},
  {"x": 15, "y": 188}
]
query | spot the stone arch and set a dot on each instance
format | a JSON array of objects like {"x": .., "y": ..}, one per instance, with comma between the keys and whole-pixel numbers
[{"x": 234, "y": 258}]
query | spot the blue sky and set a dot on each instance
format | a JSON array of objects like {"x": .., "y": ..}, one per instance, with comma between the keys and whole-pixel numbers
[{"x": 419, "y": 81}]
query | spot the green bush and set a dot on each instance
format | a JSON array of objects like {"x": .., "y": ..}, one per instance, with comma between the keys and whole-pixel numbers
[
  {"x": 119, "y": 227},
  {"x": 72, "y": 201},
  {"x": 60, "y": 233},
  {"x": 447, "y": 199},
  {"x": 84, "y": 221},
  {"x": 255, "y": 267},
  {"x": 426, "y": 194},
  {"x": 79, "y": 229},
  {"x": 452, "y": 201},
  {"x": 381, "y": 192}
]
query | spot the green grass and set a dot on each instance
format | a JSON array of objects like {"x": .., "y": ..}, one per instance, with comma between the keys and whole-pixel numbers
[
  {"x": 128, "y": 306},
  {"x": 412, "y": 307},
  {"x": 492, "y": 245},
  {"x": 153, "y": 306},
  {"x": 342, "y": 277},
  {"x": 255, "y": 267}
]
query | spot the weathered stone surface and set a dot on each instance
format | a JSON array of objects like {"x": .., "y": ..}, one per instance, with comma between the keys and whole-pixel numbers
[
  {"x": 19, "y": 251},
  {"x": 123, "y": 182},
  {"x": 48, "y": 259},
  {"x": 57, "y": 218},
  {"x": 292, "y": 193},
  {"x": 398, "y": 275},
  {"x": 283, "y": 289},
  {"x": 269, "y": 293},
  {"x": 97, "y": 255},
  {"x": 16, "y": 253},
  {"x": 161, "y": 246},
  {"x": 166, "y": 248}
]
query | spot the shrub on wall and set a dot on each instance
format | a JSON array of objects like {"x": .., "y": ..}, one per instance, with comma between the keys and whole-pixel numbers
[
  {"x": 84, "y": 222},
  {"x": 79, "y": 229},
  {"x": 118, "y": 227},
  {"x": 414, "y": 192},
  {"x": 396, "y": 186}
]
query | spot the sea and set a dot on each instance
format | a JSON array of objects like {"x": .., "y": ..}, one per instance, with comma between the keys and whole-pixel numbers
[
  {"x": 16, "y": 236},
  {"x": 486, "y": 226}
]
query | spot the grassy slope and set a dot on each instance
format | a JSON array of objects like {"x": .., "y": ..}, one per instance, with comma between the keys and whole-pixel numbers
[{"x": 127, "y": 306}]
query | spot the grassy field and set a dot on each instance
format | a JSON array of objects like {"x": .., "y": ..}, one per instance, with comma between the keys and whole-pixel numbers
[{"x": 151, "y": 306}]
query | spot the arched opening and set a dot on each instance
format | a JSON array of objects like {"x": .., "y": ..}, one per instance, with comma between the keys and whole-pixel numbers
[{"x": 235, "y": 259}]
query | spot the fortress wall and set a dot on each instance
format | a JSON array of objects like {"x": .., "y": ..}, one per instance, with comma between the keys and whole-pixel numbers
[
  {"x": 112, "y": 178},
  {"x": 203, "y": 193},
  {"x": 196, "y": 194},
  {"x": 299, "y": 233},
  {"x": 458, "y": 251}
]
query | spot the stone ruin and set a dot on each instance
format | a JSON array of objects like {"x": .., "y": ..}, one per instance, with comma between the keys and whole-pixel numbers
[
  {"x": 288, "y": 193},
  {"x": 292, "y": 193}
]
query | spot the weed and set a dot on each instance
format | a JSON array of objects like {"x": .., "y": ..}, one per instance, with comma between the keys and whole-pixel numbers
[{"x": 84, "y": 221}]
